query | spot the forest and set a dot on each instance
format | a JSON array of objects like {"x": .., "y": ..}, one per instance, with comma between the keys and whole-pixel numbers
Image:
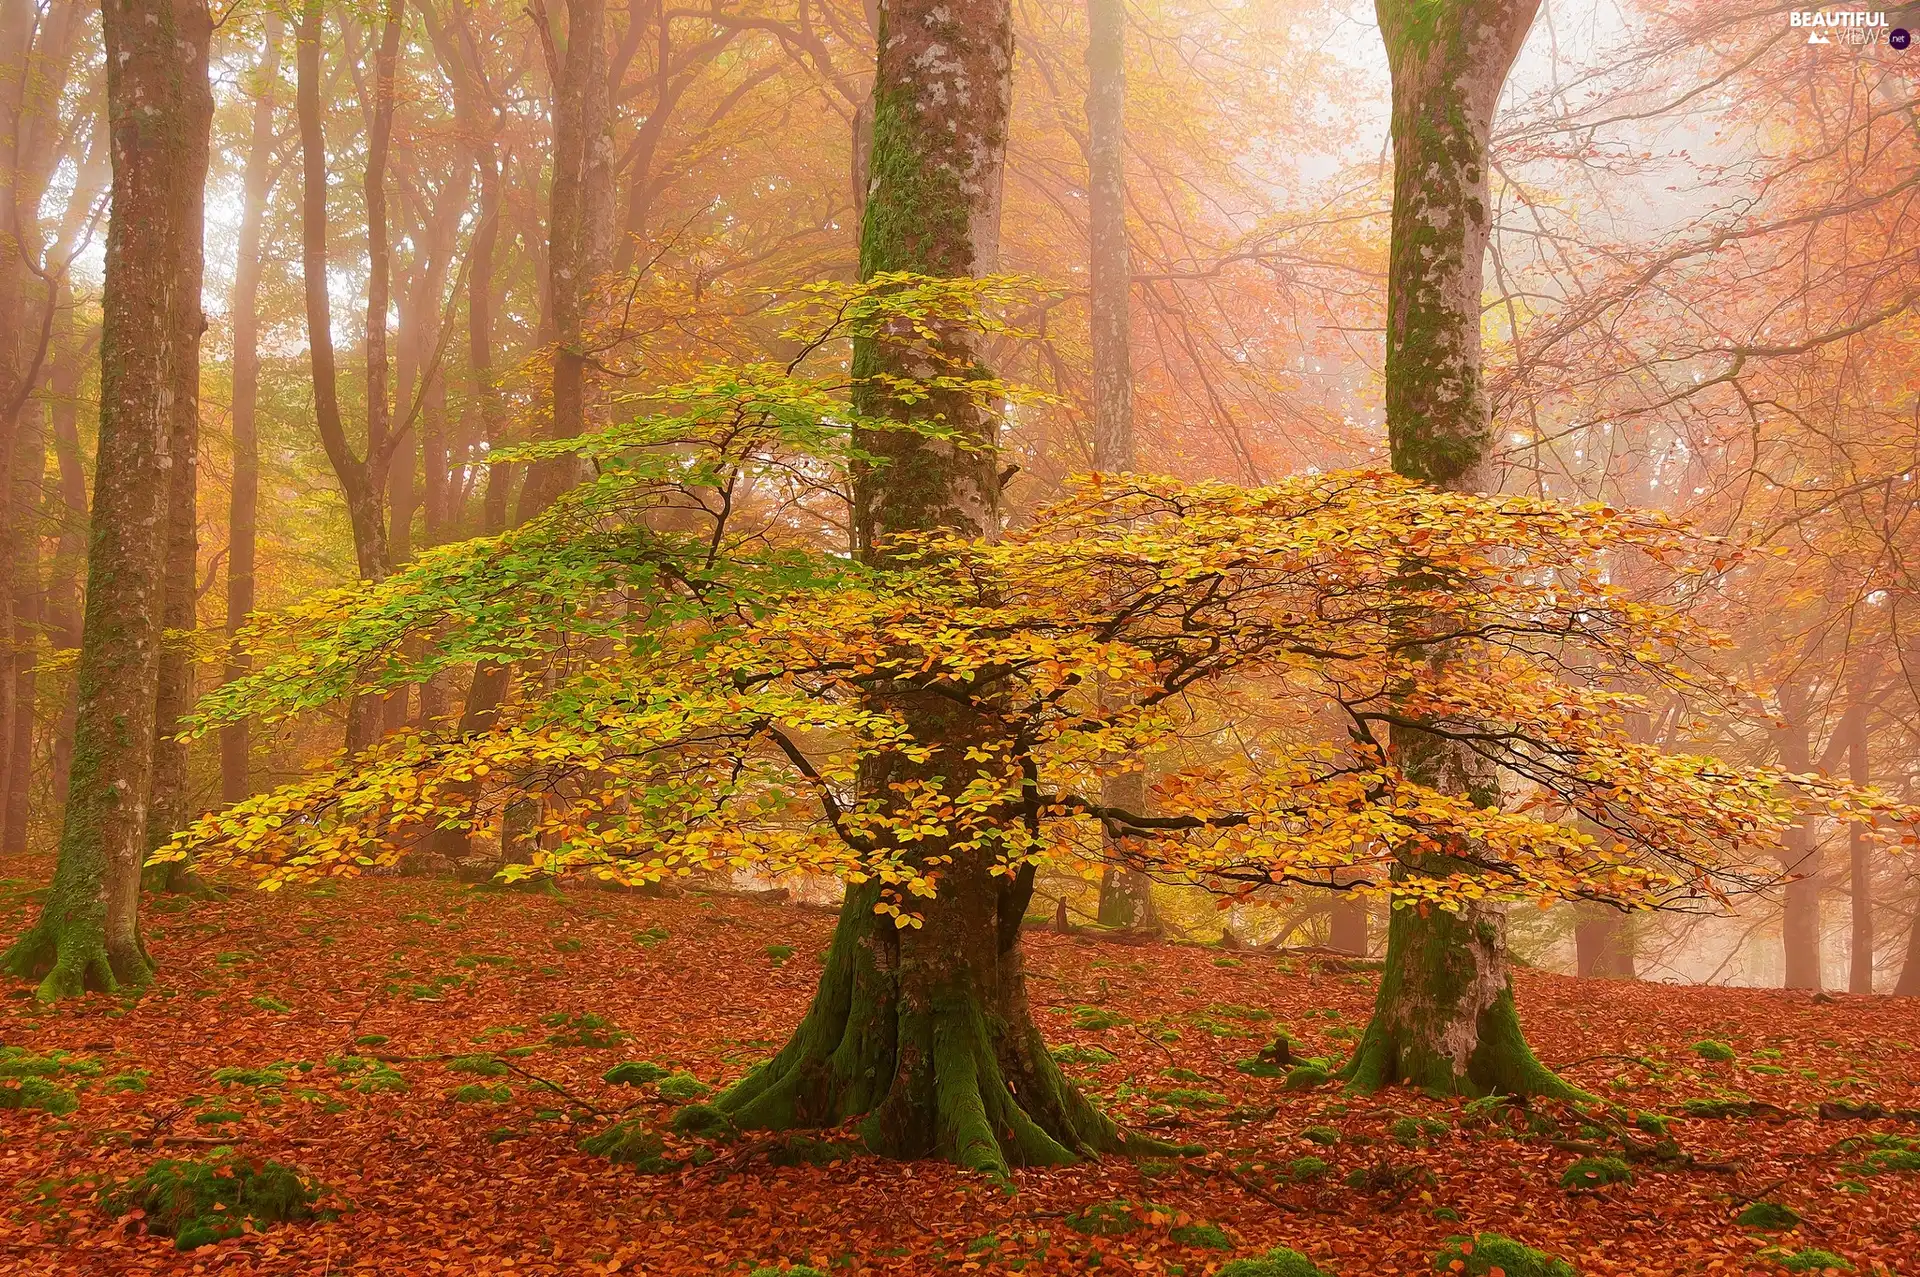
[{"x": 1222, "y": 638}]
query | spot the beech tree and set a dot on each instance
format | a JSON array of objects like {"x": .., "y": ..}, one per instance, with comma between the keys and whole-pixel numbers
[
  {"x": 1445, "y": 1018},
  {"x": 160, "y": 108}
]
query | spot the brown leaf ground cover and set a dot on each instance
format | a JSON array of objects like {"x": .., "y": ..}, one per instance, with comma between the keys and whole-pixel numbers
[{"x": 348, "y": 1019}]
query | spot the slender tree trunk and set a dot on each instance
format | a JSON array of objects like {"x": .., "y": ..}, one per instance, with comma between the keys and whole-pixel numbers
[
  {"x": 161, "y": 108},
  {"x": 1126, "y": 895},
  {"x": 926, "y": 1030},
  {"x": 244, "y": 511},
  {"x": 30, "y": 463},
  {"x": 1800, "y": 920},
  {"x": 1909, "y": 986},
  {"x": 579, "y": 124},
  {"x": 70, "y": 554},
  {"x": 1860, "y": 868},
  {"x": 1348, "y": 927},
  {"x": 1603, "y": 945},
  {"x": 362, "y": 481},
  {"x": 1444, "y": 1019}
]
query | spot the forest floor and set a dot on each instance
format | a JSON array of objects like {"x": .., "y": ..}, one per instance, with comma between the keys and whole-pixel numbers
[{"x": 432, "y": 1179}]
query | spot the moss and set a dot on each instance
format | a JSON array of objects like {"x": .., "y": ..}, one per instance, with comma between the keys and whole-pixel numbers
[
  {"x": 1304, "y": 1077},
  {"x": 481, "y": 1093},
  {"x": 1082, "y": 1055},
  {"x": 633, "y": 1073},
  {"x": 683, "y": 1086},
  {"x": 1304, "y": 1170},
  {"x": 704, "y": 1120},
  {"x": 1769, "y": 1217},
  {"x": 257, "y": 1079},
  {"x": 219, "y": 1117},
  {"x": 267, "y": 1002},
  {"x": 651, "y": 936},
  {"x": 1259, "y": 1068},
  {"x": 1096, "y": 1018},
  {"x": 1105, "y": 1219},
  {"x": 778, "y": 953},
  {"x": 1405, "y": 1131},
  {"x": 582, "y": 1029},
  {"x": 134, "y": 1081},
  {"x": 629, "y": 1143},
  {"x": 1717, "y": 1108},
  {"x": 1278, "y": 1262},
  {"x": 1321, "y": 1135},
  {"x": 1480, "y": 1255},
  {"x": 1717, "y": 1052},
  {"x": 38, "y": 1093},
  {"x": 1595, "y": 1172},
  {"x": 798, "y": 1270},
  {"x": 478, "y": 1065},
  {"x": 200, "y": 1202},
  {"x": 1805, "y": 1261},
  {"x": 1206, "y": 1236},
  {"x": 1188, "y": 1097}
]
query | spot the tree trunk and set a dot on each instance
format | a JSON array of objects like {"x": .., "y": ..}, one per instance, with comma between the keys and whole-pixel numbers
[
  {"x": 30, "y": 463},
  {"x": 1348, "y": 927},
  {"x": 1603, "y": 945},
  {"x": 70, "y": 553},
  {"x": 580, "y": 111},
  {"x": 1860, "y": 868},
  {"x": 1126, "y": 895},
  {"x": 169, "y": 804},
  {"x": 161, "y": 108},
  {"x": 1909, "y": 986},
  {"x": 1800, "y": 919},
  {"x": 1444, "y": 1019},
  {"x": 243, "y": 513},
  {"x": 362, "y": 481},
  {"x": 926, "y": 1030}
]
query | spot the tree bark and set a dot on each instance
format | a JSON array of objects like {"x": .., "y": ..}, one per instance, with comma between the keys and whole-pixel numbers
[
  {"x": 1860, "y": 867},
  {"x": 926, "y": 1030},
  {"x": 29, "y": 603},
  {"x": 160, "y": 106},
  {"x": 1909, "y": 986},
  {"x": 580, "y": 114},
  {"x": 1603, "y": 946},
  {"x": 1126, "y": 895},
  {"x": 169, "y": 804},
  {"x": 70, "y": 552},
  {"x": 1444, "y": 1019},
  {"x": 362, "y": 480},
  {"x": 244, "y": 509}
]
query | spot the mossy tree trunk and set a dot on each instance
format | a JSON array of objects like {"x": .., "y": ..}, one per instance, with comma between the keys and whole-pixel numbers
[
  {"x": 926, "y": 1030},
  {"x": 160, "y": 109},
  {"x": 1445, "y": 1018}
]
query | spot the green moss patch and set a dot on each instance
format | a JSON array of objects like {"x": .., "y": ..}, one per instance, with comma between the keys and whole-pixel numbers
[
  {"x": 633, "y": 1073},
  {"x": 200, "y": 1202},
  {"x": 1482, "y": 1254},
  {"x": 1278, "y": 1262},
  {"x": 1770, "y": 1217},
  {"x": 1590, "y": 1173}
]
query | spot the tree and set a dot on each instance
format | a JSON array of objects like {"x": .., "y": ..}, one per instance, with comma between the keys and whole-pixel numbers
[
  {"x": 243, "y": 515},
  {"x": 160, "y": 107},
  {"x": 1444, "y": 1018},
  {"x": 1126, "y": 895},
  {"x": 362, "y": 478}
]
